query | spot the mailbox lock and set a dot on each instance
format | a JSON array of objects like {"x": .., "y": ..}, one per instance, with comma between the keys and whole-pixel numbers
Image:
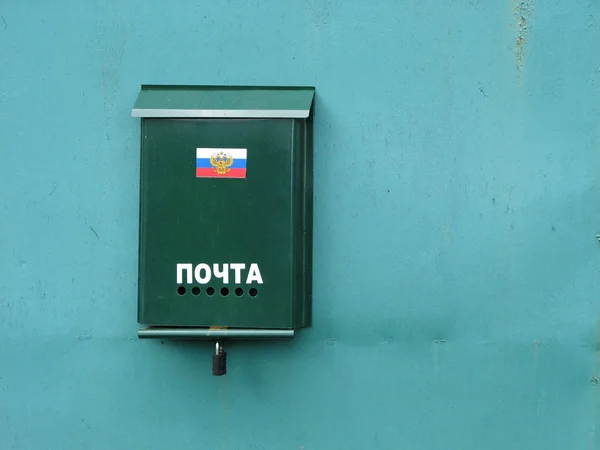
[{"x": 219, "y": 360}]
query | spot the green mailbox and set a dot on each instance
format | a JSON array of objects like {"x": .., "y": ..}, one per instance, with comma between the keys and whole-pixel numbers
[{"x": 225, "y": 245}]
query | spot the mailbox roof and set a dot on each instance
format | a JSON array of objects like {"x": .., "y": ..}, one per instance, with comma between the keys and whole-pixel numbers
[{"x": 224, "y": 102}]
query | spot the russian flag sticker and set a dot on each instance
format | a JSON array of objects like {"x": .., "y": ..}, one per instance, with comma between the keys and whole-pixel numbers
[{"x": 221, "y": 162}]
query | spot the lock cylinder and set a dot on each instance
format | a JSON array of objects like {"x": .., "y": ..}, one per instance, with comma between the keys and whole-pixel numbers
[{"x": 219, "y": 360}]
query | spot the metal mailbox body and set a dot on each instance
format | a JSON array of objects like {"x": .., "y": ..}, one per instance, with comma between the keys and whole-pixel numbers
[{"x": 221, "y": 246}]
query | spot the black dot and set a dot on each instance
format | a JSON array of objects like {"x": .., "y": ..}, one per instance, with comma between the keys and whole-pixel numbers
[
  {"x": 181, "y": 290},
  {"x": 239, "y": 292},
  {"x": 210, "y": 291},
  {"x": 253, "y": 292},
  {"x": 196, "y": 290},
  {"x": 224, "y": 292}
]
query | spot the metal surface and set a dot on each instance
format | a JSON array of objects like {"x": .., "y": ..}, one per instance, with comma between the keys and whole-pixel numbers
[
  {"x": 224, "y": 102},
  {"x": 263, "y": 219},
  {"x": 206, "y": 333},
  {"x": 223, "y": 113},
  {"x": 457, "y": 199}
]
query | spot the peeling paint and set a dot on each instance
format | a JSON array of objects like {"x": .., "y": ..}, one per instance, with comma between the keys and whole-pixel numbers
[{"x": 523, "y": 10}]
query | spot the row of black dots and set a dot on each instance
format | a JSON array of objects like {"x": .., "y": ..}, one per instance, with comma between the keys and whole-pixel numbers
[{"x": 210, "y": 291}]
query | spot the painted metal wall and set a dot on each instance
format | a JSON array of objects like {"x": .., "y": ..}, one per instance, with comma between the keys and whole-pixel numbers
[{"x": 456, "y": 208}]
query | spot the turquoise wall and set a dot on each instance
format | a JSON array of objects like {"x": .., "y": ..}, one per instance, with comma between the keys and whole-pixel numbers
[{"x": 456, "y": 207}]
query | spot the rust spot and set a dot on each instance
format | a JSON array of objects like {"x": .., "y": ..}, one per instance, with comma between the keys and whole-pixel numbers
[{"x": 522, "y": 11}]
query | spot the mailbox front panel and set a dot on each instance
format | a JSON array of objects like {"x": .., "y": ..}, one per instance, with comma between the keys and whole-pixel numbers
[
  {"x": 222, "y": 249},
  {"x": 239, "y": 231}
]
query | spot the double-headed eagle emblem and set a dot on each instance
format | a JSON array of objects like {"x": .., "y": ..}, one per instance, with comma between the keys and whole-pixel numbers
[{"x": 221, "y": 163}]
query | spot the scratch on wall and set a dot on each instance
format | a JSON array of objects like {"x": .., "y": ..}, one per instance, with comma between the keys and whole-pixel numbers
[{"x": 522, "y": 10}]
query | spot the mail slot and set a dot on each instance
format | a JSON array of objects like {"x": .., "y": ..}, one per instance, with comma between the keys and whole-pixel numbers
[{"x": 226, "y": 200}]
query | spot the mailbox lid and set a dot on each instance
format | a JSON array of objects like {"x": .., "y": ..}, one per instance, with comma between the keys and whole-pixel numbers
[{"x": 261, "y": 102}]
